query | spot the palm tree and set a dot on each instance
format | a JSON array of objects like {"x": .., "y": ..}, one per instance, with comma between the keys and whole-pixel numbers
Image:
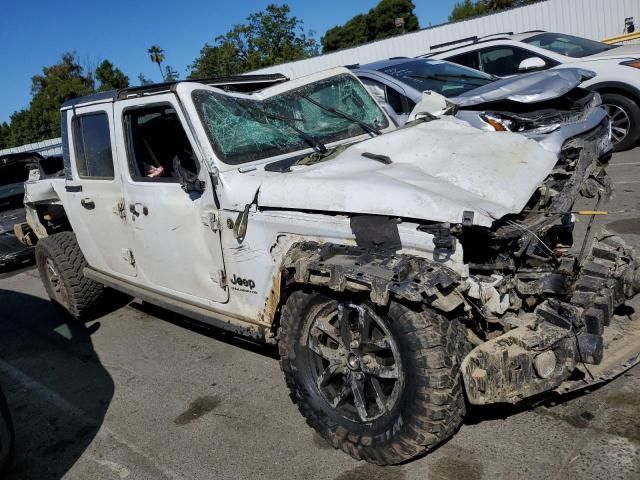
[{"x": 156, "y": 54}]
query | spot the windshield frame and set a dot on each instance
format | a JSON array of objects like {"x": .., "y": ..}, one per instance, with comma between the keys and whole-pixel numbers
[
  {"x": 573, "y": 38},
  {"x": 270, "y": 96}
]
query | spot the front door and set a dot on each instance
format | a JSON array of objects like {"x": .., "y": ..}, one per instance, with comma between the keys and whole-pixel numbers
[
  {"x": 176, "y": 239},
  {"x": 94, "y": 199}
]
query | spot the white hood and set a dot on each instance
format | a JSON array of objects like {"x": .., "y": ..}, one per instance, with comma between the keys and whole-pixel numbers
[{"x": 439, "y": 170}]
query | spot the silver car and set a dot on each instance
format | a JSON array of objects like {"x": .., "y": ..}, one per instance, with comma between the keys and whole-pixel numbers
[{"x": 548, "y": 106}]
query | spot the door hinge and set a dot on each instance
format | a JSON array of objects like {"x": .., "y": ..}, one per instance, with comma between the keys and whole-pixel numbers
[
  {"x": 212, "y": 221},
  {"x": 127, "y": 254},
  {"x": 120, "y": 209},
  {"x": 220, "y": 277}
]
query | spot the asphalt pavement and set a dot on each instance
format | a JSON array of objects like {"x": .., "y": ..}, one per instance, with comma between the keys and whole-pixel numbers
[{"x": 142, "y": 393}]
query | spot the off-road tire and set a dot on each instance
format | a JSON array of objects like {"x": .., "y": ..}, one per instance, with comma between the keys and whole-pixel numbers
[
  {"x": 81, "y": 297},
  {"x": 7, "y": 436},
  {"x": 431, "y": 406},
  {"x": 632, "y": 110}
]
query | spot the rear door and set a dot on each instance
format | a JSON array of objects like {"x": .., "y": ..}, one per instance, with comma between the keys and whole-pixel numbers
[
  {"x": 176, "y": 238},
  {"x": 94, "y": 198}
]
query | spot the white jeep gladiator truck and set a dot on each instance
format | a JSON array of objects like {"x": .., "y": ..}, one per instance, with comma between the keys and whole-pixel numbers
[{"x": 403, "y": 273}]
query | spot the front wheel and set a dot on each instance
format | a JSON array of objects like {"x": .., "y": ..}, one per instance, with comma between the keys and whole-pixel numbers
[
  {"x": 625, "y": 120},
  {"x": 381, "y": 384}
]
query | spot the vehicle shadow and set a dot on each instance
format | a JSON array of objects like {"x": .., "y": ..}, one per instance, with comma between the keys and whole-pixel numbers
[{"x": 57, "y": 389}]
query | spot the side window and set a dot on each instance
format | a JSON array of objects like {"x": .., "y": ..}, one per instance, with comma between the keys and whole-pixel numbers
[
  {"x": 92, "y": 144},
  {"x": 384, "y": 93},
  {"x": 503, "y": 60},
  {"x": 375, "y": 88},
  {"x": 468, "y": 59},
  {"x": 158, "y": 147},
  {"x": 394, "y": 99}
]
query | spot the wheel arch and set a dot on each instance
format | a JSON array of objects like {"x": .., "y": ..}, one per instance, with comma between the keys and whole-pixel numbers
[
  {"x": 382, "y": 275},
  {"x": 620, "y": 88}
]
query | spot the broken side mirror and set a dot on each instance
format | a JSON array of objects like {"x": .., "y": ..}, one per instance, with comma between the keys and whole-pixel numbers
[
  {"x": 188, "y": 180},
  {"x": 532, "y": 63},
  {"x": 240, "y": 225}
]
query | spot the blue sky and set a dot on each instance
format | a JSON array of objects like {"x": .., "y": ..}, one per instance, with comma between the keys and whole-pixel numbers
[{"x": 34, "y": 33}]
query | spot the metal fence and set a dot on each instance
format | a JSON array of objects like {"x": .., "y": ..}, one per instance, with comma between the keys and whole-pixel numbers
[{"x": 595, "y": 19}]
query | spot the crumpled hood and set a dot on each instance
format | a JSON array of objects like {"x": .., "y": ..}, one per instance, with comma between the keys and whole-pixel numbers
[
  {"x": 528, "y": 88},
  {"x": 439, "y": 170}
]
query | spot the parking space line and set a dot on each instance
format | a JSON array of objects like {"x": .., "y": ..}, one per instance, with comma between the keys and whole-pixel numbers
[
  {"x": 61, "y": 403},
  {"x": 626, "y": 183}
]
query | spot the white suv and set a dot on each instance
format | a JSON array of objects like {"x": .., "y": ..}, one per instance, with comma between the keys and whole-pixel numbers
[{"x": 617, "y": 68}]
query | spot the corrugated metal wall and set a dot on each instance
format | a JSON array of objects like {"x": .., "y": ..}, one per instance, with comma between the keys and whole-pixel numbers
[{"x": 596, "y": 19}]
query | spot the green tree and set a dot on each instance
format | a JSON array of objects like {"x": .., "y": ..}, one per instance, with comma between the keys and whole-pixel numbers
[
  {"x": 467, "y": 9},
  {"x": 110, "y": 77},
  {"x": 58, "y": 83},
  {"x": 472, "y": 8},
  {"x": 156, "y": 54},
  {"x": 269, "y": 37},
  {"x": 495, "y": 5},
  {"x": 388, "y": 18},
  {"x": 5, "y": 132}
]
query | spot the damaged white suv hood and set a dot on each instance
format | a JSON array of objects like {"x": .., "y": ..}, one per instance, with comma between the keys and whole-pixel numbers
[{"x": 439, "y": 170}]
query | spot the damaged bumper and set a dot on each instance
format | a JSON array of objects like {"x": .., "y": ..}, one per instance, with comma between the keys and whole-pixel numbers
[{"x": 549, "y": 349}]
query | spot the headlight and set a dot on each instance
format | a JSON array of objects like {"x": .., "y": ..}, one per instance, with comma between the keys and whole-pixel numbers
[
  {"x": 545, "y": 129},
  {"x": 499, "y": 124},
  {"x": 635, "y": 63}
]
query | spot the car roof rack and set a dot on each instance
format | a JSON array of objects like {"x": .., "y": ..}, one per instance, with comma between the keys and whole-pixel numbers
[
  {"x": 534, "y": 31},
  {"x": 455, "y": 44},
  {"x": 473, "y": 39}
]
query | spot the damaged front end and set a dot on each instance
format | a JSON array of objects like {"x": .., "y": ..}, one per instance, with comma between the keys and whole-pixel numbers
[{"x": 542, "y": 303}]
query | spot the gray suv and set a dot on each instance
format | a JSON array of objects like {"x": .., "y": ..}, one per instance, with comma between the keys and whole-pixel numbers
[{"x": 545, "y": 106}]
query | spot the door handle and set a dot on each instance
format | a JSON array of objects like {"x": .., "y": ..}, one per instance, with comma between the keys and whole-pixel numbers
[
  {"x": 88, "y": 203},
  {"x": 137, "y": 208}
]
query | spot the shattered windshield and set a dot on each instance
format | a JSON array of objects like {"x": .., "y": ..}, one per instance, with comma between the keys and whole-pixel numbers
[
  {"x": 244, "y": 130},
  {"x": 447, "y": 79}
]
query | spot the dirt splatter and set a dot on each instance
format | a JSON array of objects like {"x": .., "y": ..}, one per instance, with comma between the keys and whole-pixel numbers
[
  {"x": 197, "y": 408},
  {"x": 629, "y": 225},
  {"x": 368, "y": 471},
  {"x": 319, "y": 441},
  {"x": 455, "y": 468}
]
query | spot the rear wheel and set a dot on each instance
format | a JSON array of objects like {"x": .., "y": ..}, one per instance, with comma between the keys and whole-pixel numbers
[
  {"x": 625, "y": 120},
  {"x": 381, "y": 384},
  {"x": 61, "y": 264}
]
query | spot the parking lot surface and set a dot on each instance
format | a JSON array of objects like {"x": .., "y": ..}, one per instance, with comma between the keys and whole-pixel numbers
[{"x": 142, "y": 393}]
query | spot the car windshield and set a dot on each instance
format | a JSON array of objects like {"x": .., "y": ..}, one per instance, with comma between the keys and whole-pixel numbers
[
  {"x": 243, "y": 130},
  {"x": 442, "y": 77},
  {"x": 568, "y": 45}
]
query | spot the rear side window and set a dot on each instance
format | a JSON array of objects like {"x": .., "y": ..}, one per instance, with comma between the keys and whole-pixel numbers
[
  {"x": 468, "y": 59},
  {"x": 92, "y": 141}
]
